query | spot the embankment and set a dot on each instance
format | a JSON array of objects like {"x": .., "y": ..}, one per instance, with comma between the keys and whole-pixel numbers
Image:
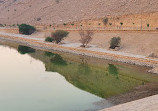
[{"x": 143, "y": 61}]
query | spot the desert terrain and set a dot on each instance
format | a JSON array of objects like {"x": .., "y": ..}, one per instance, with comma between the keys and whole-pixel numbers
[
  {"x": 134, "y": 21},
  {"x": 64, "y": 11}
]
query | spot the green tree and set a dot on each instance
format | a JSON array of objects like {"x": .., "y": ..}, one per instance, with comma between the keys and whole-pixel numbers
[
  {"x": 26, "y": 29},
  {"x": 59, "y": 35}
]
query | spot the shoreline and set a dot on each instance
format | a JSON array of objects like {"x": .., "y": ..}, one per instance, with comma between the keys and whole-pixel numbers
[
  {"x": 38, "y": 44},
  {"x": 121, "y": 100}
]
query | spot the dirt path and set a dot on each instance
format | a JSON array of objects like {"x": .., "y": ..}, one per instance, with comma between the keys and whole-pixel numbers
[{"x": 21, "y": 36}]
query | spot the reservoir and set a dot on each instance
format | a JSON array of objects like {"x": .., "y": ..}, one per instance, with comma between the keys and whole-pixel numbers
[{"x": 37, "y": 80}]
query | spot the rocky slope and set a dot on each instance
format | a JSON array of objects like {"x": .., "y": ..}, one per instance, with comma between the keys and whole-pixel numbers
[{"x": 62, "y": 11}]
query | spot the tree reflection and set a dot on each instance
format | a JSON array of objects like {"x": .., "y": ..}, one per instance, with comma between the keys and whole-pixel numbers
[
  {"x": 112, "y": 69},
  {"x": 48, "y": 54},
  {"x": 83, "y": 68},
  {"x": 24, "y": 49},
  {"x": 57, "y": 60}
]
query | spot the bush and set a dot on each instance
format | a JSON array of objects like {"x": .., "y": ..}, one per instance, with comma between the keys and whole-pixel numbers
[
  {"x": 121, "y": 23},
  {"x": 115, "y": 42},
  {"x": 59, "y": 35},
  {"x": 105, "y": 21},
  {"x": 26, "y": 29},
  {"x": 1, "y": 25},
  {"x": 110, "y": 24},
  {"x": 48, "y": 39},
  {"x": 57, "y": 1},
  {"x": 38, "y": 19},
  {"x": 64, "y": 24}
]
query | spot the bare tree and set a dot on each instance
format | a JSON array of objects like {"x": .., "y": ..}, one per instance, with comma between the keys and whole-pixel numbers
[{"x": 86, "y": 37}]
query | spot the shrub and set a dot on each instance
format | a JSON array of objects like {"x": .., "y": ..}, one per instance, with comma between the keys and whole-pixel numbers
[
  {"x": 57, "y": 1},
  {"x": 48, "y": 39},
  {"x": 110, "y": 24},
  {"x": 86, "y": 37},
  {"x": 148, "y": 25},
  {"x": 121, "y": 23},
  {"x": 26, "y": 29},
  {"x": 59, "y": 35},
  {"x": 25, "y": 49},
  {"x": 1, "y": 25},
  {"x": 115, "y": 42},
  {"x": 38, "y": 19},
  {"x": 64, "y": 24},
  {"x": 105, "y": 21}
]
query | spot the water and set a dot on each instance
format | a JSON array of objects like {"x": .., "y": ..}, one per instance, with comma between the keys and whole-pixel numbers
[
  {"x": 34, "y": 80},
  {"x": 26, "y": 86}
]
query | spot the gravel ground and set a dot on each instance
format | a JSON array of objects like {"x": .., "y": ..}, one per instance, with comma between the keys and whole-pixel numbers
[{"x": 146, "y": 104}]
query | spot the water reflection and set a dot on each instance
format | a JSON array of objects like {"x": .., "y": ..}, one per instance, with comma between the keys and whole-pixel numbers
[
  {"x": 88, "y": 77},
  {"x": 102, "y": 79},
  {"x": 113, "y": 70},
  {"x": 55, "y": 59},
  {"x": 84, "y": 68},
  {"x": 24, "y": 49},
  {"x": 28, "y": 87},
  {"x": 49, "y": 54},
  {"x": 58, "y": 60}
]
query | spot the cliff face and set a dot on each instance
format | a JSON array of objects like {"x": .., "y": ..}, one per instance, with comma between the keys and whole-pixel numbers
[{"x": 62, "y": 11}]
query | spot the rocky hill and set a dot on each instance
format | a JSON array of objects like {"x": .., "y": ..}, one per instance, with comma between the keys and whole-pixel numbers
[{"x": 62, "y": 11}]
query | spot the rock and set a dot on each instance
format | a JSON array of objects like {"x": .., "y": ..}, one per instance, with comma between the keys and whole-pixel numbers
[{"x": 154, "y": 70}]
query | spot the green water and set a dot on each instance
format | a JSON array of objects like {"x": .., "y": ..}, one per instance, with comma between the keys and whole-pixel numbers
[
  {"x": 50, "y": 81},
  {"x": 102, "y": 78}
]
